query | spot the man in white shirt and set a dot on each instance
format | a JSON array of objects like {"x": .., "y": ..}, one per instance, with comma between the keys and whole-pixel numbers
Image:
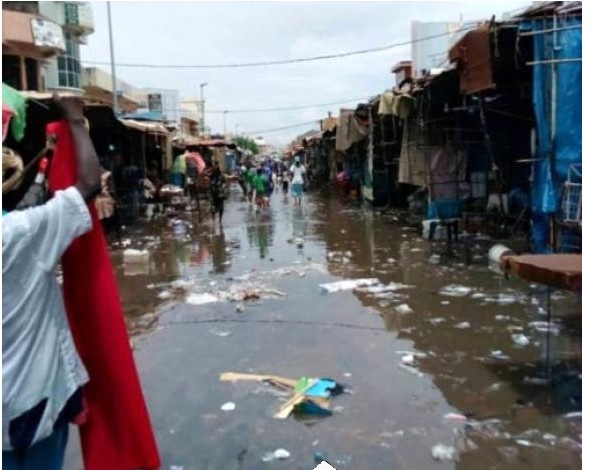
[{"x": 42, "y": 374}]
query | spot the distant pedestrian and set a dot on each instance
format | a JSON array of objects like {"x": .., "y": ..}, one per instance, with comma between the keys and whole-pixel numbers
[
  {"x": 242, "y": 180},
  {"x": 285, "y": 181},
  {"x": 249, "y": 179},
  {"x": 260, "y": 185},
  {"x": 218, "y": 193},
  {"x": 298, "y": 180}
]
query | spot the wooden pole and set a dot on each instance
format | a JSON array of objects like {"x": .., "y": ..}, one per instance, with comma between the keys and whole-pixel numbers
[{"x": 23, "y": 73}]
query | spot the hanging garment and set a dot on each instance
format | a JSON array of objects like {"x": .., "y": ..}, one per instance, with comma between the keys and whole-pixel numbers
[
  {"x": 117, "y": 434},
  {"x": 351, "y": 129},
  {"x": 412, "y": 162},
  {"x": 395, "y": 104}
]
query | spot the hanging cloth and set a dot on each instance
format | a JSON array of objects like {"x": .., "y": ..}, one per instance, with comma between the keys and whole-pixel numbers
[{"x": 117, "y": 434}]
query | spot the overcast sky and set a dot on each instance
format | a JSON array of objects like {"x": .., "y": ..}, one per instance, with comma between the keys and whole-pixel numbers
[{"x": 230, "y": 32}]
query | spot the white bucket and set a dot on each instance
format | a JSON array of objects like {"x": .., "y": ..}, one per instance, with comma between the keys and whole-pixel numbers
[{"x": 496, "y": 253}]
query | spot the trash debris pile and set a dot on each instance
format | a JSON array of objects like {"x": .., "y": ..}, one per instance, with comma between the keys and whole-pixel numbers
[{"x": 305, "y": 396}]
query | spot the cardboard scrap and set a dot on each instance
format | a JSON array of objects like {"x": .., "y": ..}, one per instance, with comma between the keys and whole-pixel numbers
[{"x": 309, "y": 395}]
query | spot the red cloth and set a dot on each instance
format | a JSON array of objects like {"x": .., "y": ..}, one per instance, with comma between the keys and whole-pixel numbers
[
  {"x": 7, "y": 113},
  {"x": 117, "y": 434}
]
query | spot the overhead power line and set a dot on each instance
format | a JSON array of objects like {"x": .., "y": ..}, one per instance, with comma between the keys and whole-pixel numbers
[
  {"x": 286, "y": 108},
  {"x": 283, "y": 61},
  {"x": 283, "y": 128},
  {"x": 267, "y": 110}
]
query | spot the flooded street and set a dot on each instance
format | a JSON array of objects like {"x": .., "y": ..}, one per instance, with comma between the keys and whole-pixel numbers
[{"x": 436, "y": 350}]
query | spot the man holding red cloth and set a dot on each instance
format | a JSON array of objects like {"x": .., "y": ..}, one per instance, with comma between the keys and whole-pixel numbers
[{"x": 45, "y": 383}]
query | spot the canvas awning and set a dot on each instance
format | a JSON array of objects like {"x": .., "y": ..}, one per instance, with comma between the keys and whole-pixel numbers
[
  {"x": 149, "y": 127},
  {"x": 471, "y": 54}
]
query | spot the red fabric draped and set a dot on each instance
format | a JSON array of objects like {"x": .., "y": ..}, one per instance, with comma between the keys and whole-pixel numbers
[{"x": 117, "y": 434}]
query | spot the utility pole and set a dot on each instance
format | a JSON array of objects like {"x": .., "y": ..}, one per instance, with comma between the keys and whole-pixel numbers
[
  {"x": 113, "y": 73},
  {"x": 202, "y": 108},
  {"x": 224, "y": 123}
]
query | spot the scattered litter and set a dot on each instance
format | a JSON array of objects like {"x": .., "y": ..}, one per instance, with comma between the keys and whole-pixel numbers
[
  {"x": 403, "y": 309},
  {"x": 201, "y": 299},
  {"x": 541, "y": 381},
  {"x": 221, "y": 333},
  {"x": 126, "y": 242},
  {"x": 455, "y": 290},
  {"x": 415, "y": 250},
  {"x": 434, "y": 259},
  {"x": 240, "y": 308},
  {"x": 478, "y": 295},
  {"x": 502, "y": 317},
  {"x": 463, "y": 325},
  {"x": 573, "y": 414},
  {"x": 527, "y": 443},
  {"x": 315, "y": 442},
  {"x": 229, "y": 406},
  {"x": 412, "y": 369},
  {"x": 391, "y": 260},
  {"x": 498, "y": 354},
  {"x": 181, "y": 284},
  {"x": 164, "y": 295},
  {"x": 494, "y": 387},
  {"x": 279, "y": 454},
  {"x": 520, "y": 339},
  {"x": 442, "y": 452},
  {"x": 418, "y": 354},
  {"x": 549, "y": 437},
  {"x": 503, "y": 299},
  {"x": 347, "y": 284},
  {"x": 176, "y": 467},
  {"x": 544, "y": 327},
  {"x": 445, "y": 302},
  {"x": 455, "y": 417},
  {"x": 408, "y": 359},
  {"x": 438, "y": 320},
  {"x": 347, "y": 375},
  {"x": 136, "y": 256},
  {"x": 306, "y": 395},
  {"x": 381, "y": 288}
]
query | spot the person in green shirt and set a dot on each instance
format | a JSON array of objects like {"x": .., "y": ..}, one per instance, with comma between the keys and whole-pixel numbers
[
  {"x": 260, "y": 184},
  {"x": 179, "y": 170}
]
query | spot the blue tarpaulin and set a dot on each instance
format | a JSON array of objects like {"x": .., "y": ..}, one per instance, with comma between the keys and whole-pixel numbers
[{"x": 554, "y": 156}]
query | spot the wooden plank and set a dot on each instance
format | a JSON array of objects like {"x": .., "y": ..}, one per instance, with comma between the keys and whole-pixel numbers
[
  {"x": 235, "y": 376},
  {"x": 297, "y": 398}
]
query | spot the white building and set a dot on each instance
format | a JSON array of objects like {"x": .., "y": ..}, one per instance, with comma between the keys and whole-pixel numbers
[
  {"x": 432, "y": 53},
  {"x": 162, "y": 100},
  {"x": 65, "y": 72}
]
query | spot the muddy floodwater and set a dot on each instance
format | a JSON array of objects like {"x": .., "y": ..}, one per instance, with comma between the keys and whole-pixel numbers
[{"x": 446, "y": 364}]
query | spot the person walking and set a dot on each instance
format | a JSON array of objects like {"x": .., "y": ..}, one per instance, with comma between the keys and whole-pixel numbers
[
  {"x": 218, "y": 193},
  {"x": 298, "y": 180},
  {"x": 260, "y": 185}
]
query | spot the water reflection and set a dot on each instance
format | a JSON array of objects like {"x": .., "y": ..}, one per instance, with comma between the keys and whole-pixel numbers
[{"x": 353, "y": 244}]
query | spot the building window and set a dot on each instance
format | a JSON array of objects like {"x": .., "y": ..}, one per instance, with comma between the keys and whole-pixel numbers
[
  {"x": 71, "y": 13},
  {"x": 69, "y": 71}
]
